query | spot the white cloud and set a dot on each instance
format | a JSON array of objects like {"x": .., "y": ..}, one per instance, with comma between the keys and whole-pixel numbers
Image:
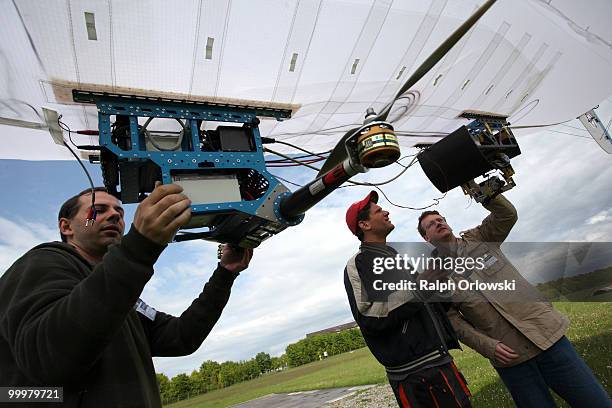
[
  {"x": 600, "y": 217},
  {"x": 19, "y": 236},
  {"x": 287, "y": 291}
]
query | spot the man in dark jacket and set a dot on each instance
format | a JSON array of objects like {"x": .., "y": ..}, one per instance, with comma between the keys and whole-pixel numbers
[
  {"x": 70, "y": 313},
  {"x": 407, "y": 334}
]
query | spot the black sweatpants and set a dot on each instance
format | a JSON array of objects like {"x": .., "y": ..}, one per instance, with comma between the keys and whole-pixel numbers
[{"x": 436, "y": 387}]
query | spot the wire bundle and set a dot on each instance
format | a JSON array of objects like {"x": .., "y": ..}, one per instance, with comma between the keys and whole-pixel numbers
[{"x": 91, "y": 213}]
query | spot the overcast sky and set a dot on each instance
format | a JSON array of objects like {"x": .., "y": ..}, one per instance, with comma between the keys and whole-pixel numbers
[{"x": 294, "y": 284}]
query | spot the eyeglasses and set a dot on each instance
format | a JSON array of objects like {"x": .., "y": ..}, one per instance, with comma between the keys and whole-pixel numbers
[{"x": 435, "y": 221}]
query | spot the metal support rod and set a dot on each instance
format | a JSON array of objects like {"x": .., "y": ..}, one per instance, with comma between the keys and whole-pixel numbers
[{"x": 306, "y": 197}]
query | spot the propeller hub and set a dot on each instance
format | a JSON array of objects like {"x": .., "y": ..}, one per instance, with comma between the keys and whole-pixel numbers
[{"x": 377, "y": 145}]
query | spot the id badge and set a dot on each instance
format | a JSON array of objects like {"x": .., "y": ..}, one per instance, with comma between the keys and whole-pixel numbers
[{"x": 146, "y": 310}]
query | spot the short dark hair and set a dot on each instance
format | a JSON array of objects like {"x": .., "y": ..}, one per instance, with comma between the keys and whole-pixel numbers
[
  {"x": 72, "y": 206},
  {"x": 423, "y": 215},
  {"x": 363, "y": 215}
]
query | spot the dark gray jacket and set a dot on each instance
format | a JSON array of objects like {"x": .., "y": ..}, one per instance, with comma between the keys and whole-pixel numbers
[
  {"x": 403, "y": 332},
  {"x": 64, "y": 323}
]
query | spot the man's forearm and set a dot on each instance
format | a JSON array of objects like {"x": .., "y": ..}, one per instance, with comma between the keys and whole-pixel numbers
[
  {"x": 497, "y": 226},
  {"x": 176, "y": 336},
  {"x": 472, "y": 337}
]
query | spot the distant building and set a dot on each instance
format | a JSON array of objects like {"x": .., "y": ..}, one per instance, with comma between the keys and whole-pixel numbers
[{"x": 335, "y": 329}]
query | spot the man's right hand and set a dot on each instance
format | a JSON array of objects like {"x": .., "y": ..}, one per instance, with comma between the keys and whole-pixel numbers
[
  {"x": 160, "y": 215},
  {"x": 504, "y": 354}
]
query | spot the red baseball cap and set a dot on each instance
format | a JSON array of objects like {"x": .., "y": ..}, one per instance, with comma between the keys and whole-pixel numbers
[{"x": 351, "y": 213}]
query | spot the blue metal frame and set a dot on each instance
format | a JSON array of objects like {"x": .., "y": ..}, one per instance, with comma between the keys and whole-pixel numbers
[
  {"x": 477, "y": 125},
  {"x": 169, "y": 160}
]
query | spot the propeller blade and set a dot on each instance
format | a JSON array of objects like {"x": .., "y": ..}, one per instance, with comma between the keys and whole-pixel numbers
[
  {"x": 437, "y": 55},
  {"x": 338, "y": 155}
]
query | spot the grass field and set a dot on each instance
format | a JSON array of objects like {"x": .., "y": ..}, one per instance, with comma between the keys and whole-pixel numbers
[{"x": 590, "y": 332}]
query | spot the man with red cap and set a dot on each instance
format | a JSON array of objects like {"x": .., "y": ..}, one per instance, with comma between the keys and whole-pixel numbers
[{"x": 407, "y": 334}]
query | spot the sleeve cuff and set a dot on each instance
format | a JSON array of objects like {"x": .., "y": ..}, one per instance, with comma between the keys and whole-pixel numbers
[
  {"x": 222, "y": 276},
  {"x": 141, "y": 248},
  {"x": 489, "y": 348},
  {"x": 499, "y": 201}
]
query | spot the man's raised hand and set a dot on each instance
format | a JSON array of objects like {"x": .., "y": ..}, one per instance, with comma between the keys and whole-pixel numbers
[
  {"x": 160, "y": 215},
  {"x": 235, "y": 259}
]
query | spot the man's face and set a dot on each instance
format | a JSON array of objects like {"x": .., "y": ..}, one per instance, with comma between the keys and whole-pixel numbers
[
  {"x": 106, "y": 230},
  {"x": 436, "y": 228},
  {"x": 379, "y": 222}
]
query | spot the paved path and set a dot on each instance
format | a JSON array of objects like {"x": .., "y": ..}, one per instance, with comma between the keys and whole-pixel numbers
[{"x": 303, "y": 399}]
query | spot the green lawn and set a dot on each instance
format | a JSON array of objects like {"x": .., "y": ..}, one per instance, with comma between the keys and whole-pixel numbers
[{"x": 590, "y": 332}]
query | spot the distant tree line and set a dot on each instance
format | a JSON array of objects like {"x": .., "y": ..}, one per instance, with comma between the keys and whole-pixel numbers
[
  {"x": 567, "y": 287},
  {"x": 213, "y": 375},
  {"x": 315, "y": 347}
]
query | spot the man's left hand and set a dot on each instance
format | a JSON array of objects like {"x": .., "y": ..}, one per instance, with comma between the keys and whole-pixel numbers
[{"x": 235, "y": 259}]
